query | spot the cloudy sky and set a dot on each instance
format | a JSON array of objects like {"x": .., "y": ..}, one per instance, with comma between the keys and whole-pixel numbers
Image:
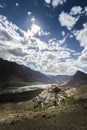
[{"x": 46, "y": 35}]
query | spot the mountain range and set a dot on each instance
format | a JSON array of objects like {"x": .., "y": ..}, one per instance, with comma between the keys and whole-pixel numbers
[
  {"x": 59, "y": 78},
  {"x": 13, "y": 74}
]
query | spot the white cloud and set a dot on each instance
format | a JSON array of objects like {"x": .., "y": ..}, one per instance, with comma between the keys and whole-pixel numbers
[
  {"x": 17, "y": 4},
  {"x": 8, "y": 35},
  {"x": 62, "y": 41},
  {"x": 63, "y": 33},
  {"x": 51, "y": 63},
  {"x": 67, "y": 20},
  {"x": 48, "y": 1},
  {"x": 2, "y": 6},
  {"x": 12, "y": 39},
  {"x": 36, "y": 30},
  {"x": 81, "y": 36},
  {"x": 70, "y": 19},
  {"x": 55, "y": 3},
  {"x": 18, "y": 52},
  {"x": 57, "y": 67},
  {"x": 83, "y": 56},
  {"x": 54, "y": 44},
  {"x": 76, "y": 10},
  {"x": 33, "y": 19},
  {"x": 29, "y": 13},
  {"x": 51, "y": 57},
  {"x": 85, "y": 9}
]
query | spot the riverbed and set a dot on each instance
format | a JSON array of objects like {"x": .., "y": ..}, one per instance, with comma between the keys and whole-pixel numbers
[{"x": 23, "y": 89}]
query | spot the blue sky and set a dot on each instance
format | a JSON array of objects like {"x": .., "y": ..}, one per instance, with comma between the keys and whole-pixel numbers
[{"x": 46, "y": 35}]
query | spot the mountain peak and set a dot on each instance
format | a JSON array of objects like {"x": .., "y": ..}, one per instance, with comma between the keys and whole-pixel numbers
[
  {"x": 79, "y": 73},
  {"x": 80, "y": 78}
]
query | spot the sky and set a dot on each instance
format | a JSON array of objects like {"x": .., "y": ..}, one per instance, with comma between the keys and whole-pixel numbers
[{"x": 49, "y": 36}]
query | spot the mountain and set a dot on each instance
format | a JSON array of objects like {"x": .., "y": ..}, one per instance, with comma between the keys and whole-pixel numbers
[
  {"x": 79, "y": 79},
  {"x": 13, "y": 74},
  {"x": 59, "y": 78},
  {"x": 16, "y": 75}
]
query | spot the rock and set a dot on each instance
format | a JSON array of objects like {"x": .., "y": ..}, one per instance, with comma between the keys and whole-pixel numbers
[
  {"x": 54, "y": 89},
  {"x": 44, "y": 115}
]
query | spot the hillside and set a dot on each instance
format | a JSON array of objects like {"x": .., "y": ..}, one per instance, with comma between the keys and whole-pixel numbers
[
  {"x": 77, "y": 80},
  {"x": 13, "y": 74},
  {"x": 59, "y": 78},
  {"x": 79, "y": 92},
  {"x": 45, "y": 113}
]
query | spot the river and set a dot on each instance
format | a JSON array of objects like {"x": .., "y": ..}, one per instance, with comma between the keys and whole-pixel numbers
[{"x": 23, "y": 89}]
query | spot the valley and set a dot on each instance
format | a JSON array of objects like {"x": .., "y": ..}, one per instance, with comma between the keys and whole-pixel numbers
[{"x": 40, "y": 105}]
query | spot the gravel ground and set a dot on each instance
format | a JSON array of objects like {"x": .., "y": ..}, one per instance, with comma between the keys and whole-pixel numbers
[{"x": 71, "y": 118}]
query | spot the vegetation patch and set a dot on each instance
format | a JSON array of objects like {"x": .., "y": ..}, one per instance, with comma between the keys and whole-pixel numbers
[{"x": 17, "y": 97}]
